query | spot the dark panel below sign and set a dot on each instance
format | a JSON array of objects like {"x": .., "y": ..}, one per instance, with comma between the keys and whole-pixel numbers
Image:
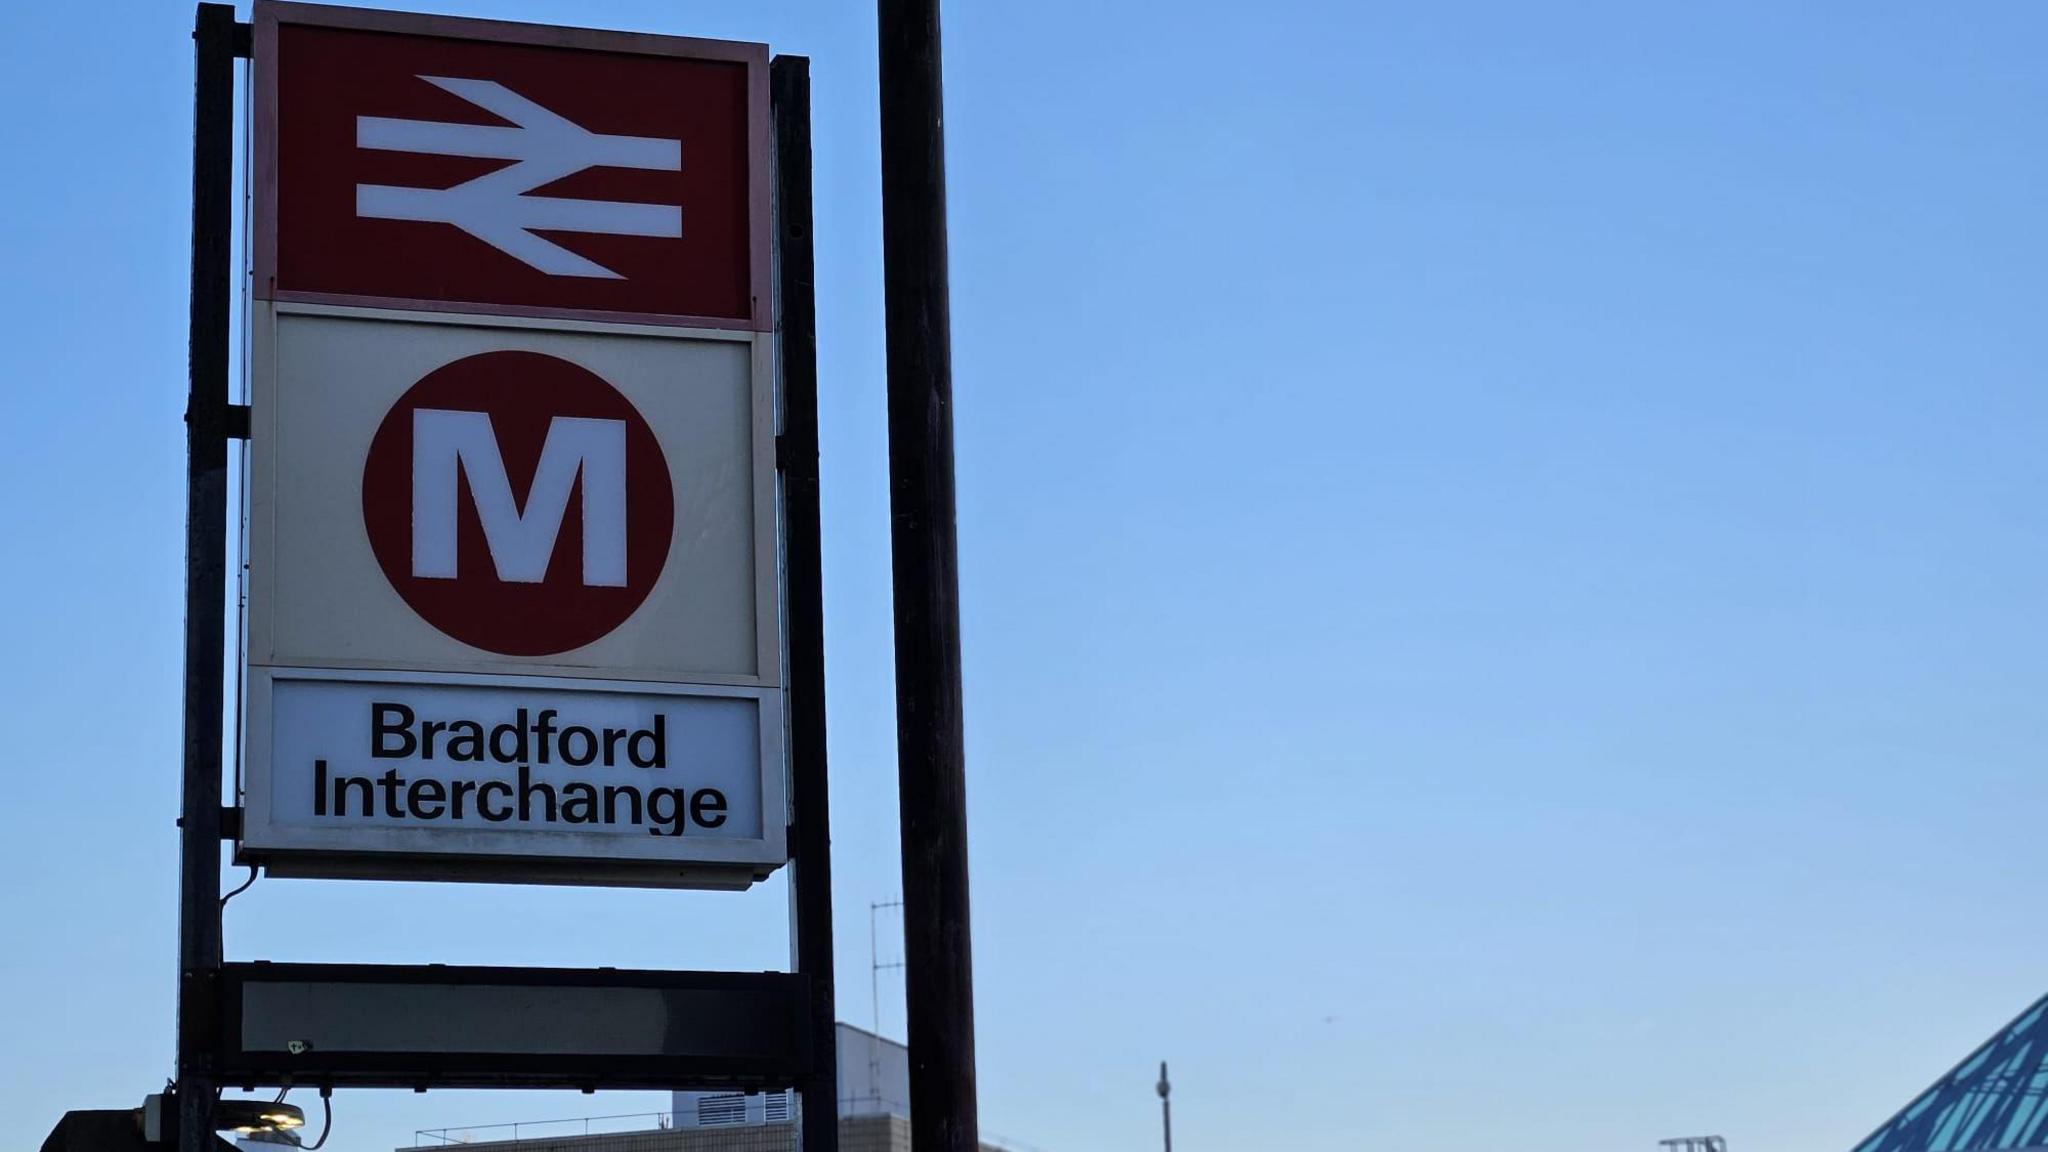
[{"x": 437, "y": 1026}]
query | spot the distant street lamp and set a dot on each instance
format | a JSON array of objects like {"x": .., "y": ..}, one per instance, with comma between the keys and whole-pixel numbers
[{"x": 1165, "y": 1106}]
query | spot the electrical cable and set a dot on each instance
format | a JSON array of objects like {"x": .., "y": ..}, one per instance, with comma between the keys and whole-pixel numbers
[
  {"x": 244, "y": 888},
  {"x": 326, "y": 1119}
]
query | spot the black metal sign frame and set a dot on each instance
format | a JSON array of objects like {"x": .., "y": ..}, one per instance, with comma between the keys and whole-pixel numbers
[
  {"x": 789, "y": 1015},
  {"x": 440, "y": 1026}
]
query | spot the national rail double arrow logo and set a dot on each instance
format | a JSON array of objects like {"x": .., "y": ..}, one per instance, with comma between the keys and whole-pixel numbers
[
  {"x": 512, "y": 178},
  {"x": 497, "y": 207}
]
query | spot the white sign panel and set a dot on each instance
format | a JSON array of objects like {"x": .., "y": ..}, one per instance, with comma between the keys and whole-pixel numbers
[
  {"x": 512, "y": 601},
  {"x": 413, "y": 487}
]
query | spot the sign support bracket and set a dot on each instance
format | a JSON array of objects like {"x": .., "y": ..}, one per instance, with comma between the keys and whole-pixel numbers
[
  {"x": 810, "y": 840},
  {"x": 216, "y": 43}
]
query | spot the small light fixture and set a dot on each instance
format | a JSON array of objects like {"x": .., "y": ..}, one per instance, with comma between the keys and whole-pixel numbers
[{"x": 250, "y": 1117}]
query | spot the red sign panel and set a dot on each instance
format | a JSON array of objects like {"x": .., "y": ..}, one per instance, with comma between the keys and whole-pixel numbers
[{"x": 475, "y": 166}]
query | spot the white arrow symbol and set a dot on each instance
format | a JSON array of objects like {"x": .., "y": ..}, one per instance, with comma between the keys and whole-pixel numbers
[{"x": 494, "y": 207}]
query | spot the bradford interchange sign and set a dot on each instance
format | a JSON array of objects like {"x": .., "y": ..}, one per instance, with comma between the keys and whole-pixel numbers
[{"x": 513, "y": 596}]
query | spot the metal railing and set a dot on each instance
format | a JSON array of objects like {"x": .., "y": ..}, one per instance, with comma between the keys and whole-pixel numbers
[
  {"x": 427, "y": 1138},
  {"x": 541, "y": 1129}
]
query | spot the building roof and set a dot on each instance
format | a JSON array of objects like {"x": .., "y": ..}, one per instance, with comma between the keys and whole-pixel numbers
[{"x": 1994, "y": 1101}]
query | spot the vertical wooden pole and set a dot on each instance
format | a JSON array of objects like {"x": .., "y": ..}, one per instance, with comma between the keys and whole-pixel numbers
[{"x": 931, "y": 760}]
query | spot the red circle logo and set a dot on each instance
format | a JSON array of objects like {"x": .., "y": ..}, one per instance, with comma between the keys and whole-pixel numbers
[{"x": 518, "y": 503}]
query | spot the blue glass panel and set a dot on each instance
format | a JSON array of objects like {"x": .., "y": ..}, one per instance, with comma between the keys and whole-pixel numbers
[{"x": 1996, "y": 1100}]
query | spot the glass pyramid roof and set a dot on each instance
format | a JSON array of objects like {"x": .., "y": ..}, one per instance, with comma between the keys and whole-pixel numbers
[{"x": 1995, "y": 1101}]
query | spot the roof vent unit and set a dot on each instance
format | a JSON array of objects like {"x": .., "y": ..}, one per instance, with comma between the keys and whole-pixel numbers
[{"x": 732, "y": 1109}]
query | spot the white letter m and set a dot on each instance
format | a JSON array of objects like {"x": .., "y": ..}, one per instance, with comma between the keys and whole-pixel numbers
[{"x": 446, "y": 442}]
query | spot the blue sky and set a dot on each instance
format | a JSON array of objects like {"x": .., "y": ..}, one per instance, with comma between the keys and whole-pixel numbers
[{"x": 1502, "y": 551}]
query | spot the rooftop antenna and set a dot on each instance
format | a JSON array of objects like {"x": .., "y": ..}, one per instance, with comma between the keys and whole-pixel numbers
[
  {"x": 875, "y": 967},
  {"x": 1166, "y": 1107}
]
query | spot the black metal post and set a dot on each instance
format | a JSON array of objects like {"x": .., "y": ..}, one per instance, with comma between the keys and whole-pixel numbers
[
  {"x": 206, "y": 509},
  {"x": 1165, "y": 1106},
  {"x": 931, "y": 762},
  {"x": 797, "y": 357}
]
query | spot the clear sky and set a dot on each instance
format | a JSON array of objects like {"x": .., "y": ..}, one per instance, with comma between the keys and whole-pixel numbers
[{"x": 1502, "y": 551}]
